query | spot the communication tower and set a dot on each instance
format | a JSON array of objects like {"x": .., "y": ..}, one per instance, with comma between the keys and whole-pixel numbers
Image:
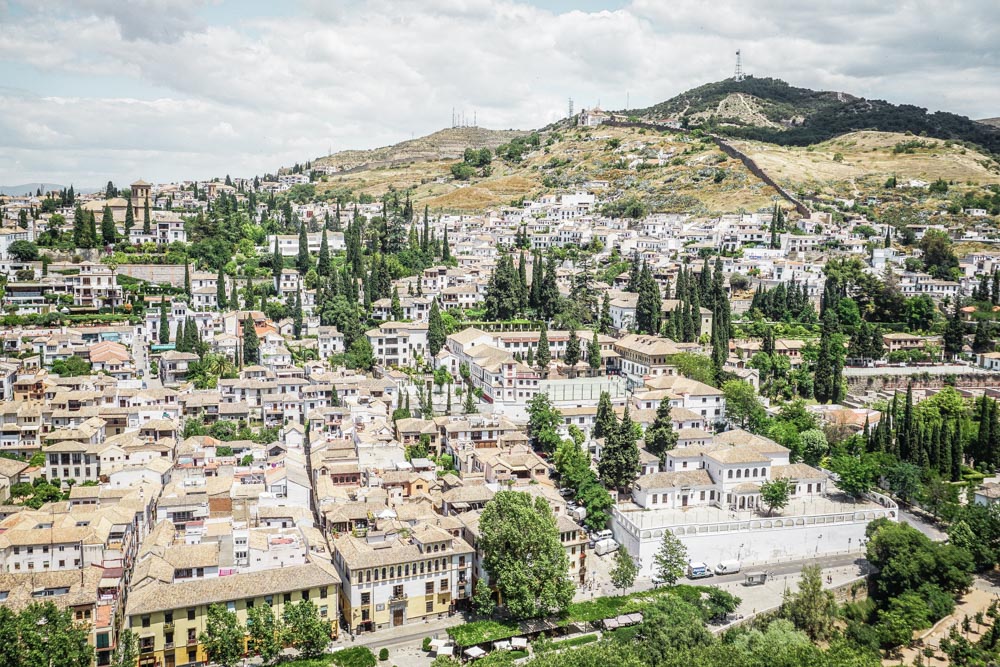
[{"x": 738, "y": 76}]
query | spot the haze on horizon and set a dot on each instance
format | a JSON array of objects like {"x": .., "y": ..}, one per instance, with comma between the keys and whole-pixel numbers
[{"x": 176, "y": 89}]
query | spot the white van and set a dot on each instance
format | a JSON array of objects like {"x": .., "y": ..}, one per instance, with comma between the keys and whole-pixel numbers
[
  {"x": 728, "y": 567},
  {"x": 605, "y": 546}
]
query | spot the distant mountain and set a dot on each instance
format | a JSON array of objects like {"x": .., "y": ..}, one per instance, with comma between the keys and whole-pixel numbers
[
  {"x": 28, "y": 188},
  {"x": 771, "y": 110}
]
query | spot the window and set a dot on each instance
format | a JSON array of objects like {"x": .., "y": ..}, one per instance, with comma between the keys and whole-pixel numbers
[
  {"x": 429, "y": 607},
  {"x": 366, "y": 598},
  {"x": 444, "y": 584},
  {"x": 145, "y": 621},
  {"x": 322, "y": 593},
  {"x": 231, "y": 605},
  {"x": 168, "y": 617},
  {"x": 397, "y": 591},
  {"x": 305, "y": 595},
  {"x": 250, "y": 603},
  {"x": 429, "y": 588},
  {"x": 287, "y": 598},
  {"x": 190, "y": 614}
]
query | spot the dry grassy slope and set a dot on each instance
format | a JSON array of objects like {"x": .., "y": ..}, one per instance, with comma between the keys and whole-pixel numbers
[
  {"x": 446, "y": 144},
  {"x": 995, "y": 122},
  {"x": 687, "y": 186},
  {"x": 868, "y": 157}
]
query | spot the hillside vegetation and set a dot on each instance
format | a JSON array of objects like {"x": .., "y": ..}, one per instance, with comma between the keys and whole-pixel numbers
[
  {"x": 695, "y": 176},
  {"x": 771, "y": 110}
]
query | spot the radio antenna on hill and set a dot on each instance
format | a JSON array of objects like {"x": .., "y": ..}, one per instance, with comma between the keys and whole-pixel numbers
[
  {"x": 738, "y": 76},
  {"x": 570, "y": 108}
]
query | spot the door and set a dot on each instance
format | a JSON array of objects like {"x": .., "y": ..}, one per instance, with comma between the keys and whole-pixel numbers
[
  {"x": 397, "y": 617},
  {"x": 684, "y": 501}
]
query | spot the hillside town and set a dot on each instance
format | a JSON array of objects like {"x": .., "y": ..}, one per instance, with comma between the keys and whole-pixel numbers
[{"x": 218, "y": 398}]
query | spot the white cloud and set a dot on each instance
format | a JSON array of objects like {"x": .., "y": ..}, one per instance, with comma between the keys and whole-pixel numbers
[{"x": 260, "y": 92}]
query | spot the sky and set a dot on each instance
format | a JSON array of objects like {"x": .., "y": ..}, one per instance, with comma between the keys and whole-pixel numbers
[{"x": 166, "y": 90}]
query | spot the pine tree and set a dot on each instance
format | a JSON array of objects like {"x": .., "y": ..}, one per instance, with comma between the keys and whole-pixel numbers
[
  {"x": 436, "y": 334},
  {"x": 251, "y": 344},
  {"x": 220, "y": 290},
  {"x": 544, "y": 356},
  {"x": 108, "y": 232},
  {"x": 594, "y": 354},
  {"x": 164, "y": 322}
]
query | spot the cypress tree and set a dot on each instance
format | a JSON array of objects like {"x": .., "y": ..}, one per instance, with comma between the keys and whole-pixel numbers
[
  {"x": 522, "y": 277},
  {"x": 594, "y": 354},
  {"x": 251, "y": 344},
  {"x": 129, "y": 222},
  {"x": 395, "y": 306},
  {"x": 425, "y": 241},
  {"x": 445, "y": 247},
  {"x": 323, "y": 267},
  {"x": 605, "y": 420},
  {"x": 304, "y": 260},
  {"x": 181, "y": 343},
  {"x": 572, "y": 355},
  {"x": 220, "y": 290},
  {"x": 605, "y": 322},
  {"x": 147, "y": 227},
  {"x": 277, "y": 263},
  {"x": 334, "y": 397},
  {"x": 187, "y": 279},
  {"x": 164, "y": 322},
  {"x": 108, "y": 232},
  {"x": 297, "y": 316},
  {"x": 544, "y": 356},
  {"x": 535, "y": 293},
  {"x": 436, "y": 334},
  {"x": 92, "y": 238}
]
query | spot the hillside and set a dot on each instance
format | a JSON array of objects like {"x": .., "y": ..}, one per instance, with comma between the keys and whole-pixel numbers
[
  {"x": 771, "y": 110},
  {"x": 861, "y": 162},
  {"x": 447, "y": 144},
  {"x": 993, "y": 122},
  {"x": 695, "y": 176}
]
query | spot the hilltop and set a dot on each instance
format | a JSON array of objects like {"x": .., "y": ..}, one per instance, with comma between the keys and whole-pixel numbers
[
  {"x": 771, "y": 110},
  {"x": 447, "y": 144}
]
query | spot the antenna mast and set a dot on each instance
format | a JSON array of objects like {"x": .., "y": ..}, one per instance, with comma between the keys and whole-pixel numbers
[
  {"x": 570, "y": 108},
  {"x": 738, "y": 76}
]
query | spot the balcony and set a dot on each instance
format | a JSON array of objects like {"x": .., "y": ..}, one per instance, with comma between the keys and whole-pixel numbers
[
  {"x": 167, "y": 646},
  {"x": 398, "y": 597},
  {"x": 168, "y": 627}
]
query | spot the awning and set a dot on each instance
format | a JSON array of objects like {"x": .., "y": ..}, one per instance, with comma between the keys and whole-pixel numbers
[
  {"x": 474, "y": 652},
  {"x": 443, "y": 650},
  {"x": 519, "y": 642}
]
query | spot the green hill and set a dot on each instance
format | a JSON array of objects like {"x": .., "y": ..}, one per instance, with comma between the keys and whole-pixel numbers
[{"x": 771, "y": 110}]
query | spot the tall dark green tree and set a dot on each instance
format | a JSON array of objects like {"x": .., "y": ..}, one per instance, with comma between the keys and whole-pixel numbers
[
  {"x": 605, "y": 421},
  {"x": 323, "y": 266},
  {"x": 277, "y": 262},
  {"x": 304, "y": 260},
  {"x": 108, "y": 232},
  {"x": 251, "y": 344},
  {"x": 220, "y": 289},
  {"x": 594, "y": 353},
  {"x": 147, "y": 224},
  {"x": 129, "y": 222},
  {"x": 436, "y": 334},
  {"x": 649, "y": 305},
  {"x": 954, "y": 333},
  {"x": 544, "y": 355},
  {"x": 661, "y": 436},
  {"x": 187, "y": 279},
  {"x": 503, "y": 291},
  {"x": 164, "y": 322},
  {"x": 619, "y": 462},
  {"x": 572, "y": 355}
]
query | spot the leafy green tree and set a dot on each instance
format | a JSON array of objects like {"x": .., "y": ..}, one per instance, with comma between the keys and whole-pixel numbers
[
  {"x": 223, "y": 636},
  {"x": 44, "y": 635},
  {"x": 522, "y": 553},
  {"x": 856, "y": 475},
  {"x": 436, "y": 334},
  {"x": 811, "y": 608},
  {"x": 743, "y": 408},
  {"x": 543, "y": 423},
  {"x": 360, "y": 355},
  {"x": 670, "y": 562},
  {"x": 775, "y": 494},
  {"x": 814, "y": 445},
  {"x": 624, "y": 572},
  {"x": 23, "y": 251},
  {"x": 126, "y": 649},
  {"x": 305, "y": 630},
  {"x": 265, "y": 633},
  {"x": 73, "y": 366},
  {"x": 482, "y": 599},
  {"x": 503, "y": 291},
  {"x": 661, "y": 436},
  {"x": 672, "y": 626}
]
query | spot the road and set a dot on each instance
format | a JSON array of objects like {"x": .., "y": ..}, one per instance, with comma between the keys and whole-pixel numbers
[{"x": 950, "y": 369}]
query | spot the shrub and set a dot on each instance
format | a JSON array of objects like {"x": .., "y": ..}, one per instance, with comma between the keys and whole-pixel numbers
[
  {"x": 427, "y": 644},
  {"x": 383, "y": 655},
  {"x": 358, "y": 656}
]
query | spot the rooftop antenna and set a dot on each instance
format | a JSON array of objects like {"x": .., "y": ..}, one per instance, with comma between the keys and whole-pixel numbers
[
  {"x": 475, "y": 120},
  {"x": 738, "y": 76},
  {"x": 453, "y": 116},
  {"x": 570, "y": 108}
]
